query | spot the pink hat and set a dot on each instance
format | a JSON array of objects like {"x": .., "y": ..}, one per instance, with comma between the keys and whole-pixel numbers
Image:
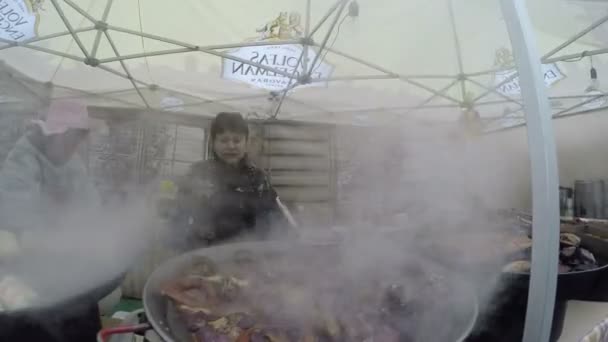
[{"x": 63, "y": 115}]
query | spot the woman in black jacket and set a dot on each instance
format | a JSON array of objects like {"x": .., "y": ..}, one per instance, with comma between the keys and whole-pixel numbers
[{"x": 227, "y": 196}]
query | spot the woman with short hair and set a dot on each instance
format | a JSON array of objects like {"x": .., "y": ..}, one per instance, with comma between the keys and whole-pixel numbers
[{"x": 227, "y": 196}]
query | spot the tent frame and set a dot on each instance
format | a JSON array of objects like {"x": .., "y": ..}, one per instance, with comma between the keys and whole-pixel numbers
[
  {"x": 104, "y": 29},
  {"x": 533, "y": 99}
]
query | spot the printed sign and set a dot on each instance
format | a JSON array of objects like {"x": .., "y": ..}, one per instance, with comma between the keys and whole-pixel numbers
[
  {"x": 17, "y": 23},
  {"x": 284, "y": 58},
  {"x": 504, "y": 59},
  {"x": 281, "y": 57}
]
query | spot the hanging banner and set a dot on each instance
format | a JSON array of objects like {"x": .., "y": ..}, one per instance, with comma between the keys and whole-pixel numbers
[
  {"x": 17, "y": 21},
  {"x": 504, "y": 59},
  {"x": 284, "y": 58}
]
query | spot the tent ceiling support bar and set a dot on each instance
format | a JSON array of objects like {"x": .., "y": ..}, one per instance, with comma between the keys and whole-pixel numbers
[
  {"x": 24, "y": 43},
  {"x": 576, "y": 37},
  {"x": 104, "y": 18},
  {"x": 381, "y": 69},
  {"x": 80, "y": 10},
  {"x": 119, "y": 74},
  {"x": 354, "y": 78},
  {"x": 546, "y": 57},
  {"x": 202, "y": 48},
  {"x": 193, "y": 47},
  {"x": 578, "y": 105},
  {"x": 379, "y": 77},
  {"x": 494, "y": 91},
  {"x": 56, "y": 53},
  {"x": 434, "y": 96},
  {"x": 457, "y": 48},
  {"x": 545, "y": 184},
  {"x": 220, "y": 101},
  {"x": 151, "y": 36},
  {"x": 99, "y": 95},
  {"x": 490, "y": 91},
  {"x": 289, "y": 86},
  {"x": 577, "y": 55},
  {"x": 326, "y": 38},
  {"x": 325, "y": 17},
  {"x": 486, "y": 72},
  {"x": 70, "y": 28},
  {"x": 124, "y": 67},
  {"x": 145, "y": 54},
  {"x": 306, "y": 34},
  {"x": 246, "y": 44},
  {"x": 488, "y": 103},
  {"x": 563, "y": 116},
  {"x": 381, "y": 109},
  {"x": 567, "y": 97}
]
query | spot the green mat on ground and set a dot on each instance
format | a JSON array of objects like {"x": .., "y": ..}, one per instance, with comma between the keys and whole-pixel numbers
[{"x": 128, "y": 305}]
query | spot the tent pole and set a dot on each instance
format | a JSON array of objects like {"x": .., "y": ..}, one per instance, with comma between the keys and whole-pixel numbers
[
  {"x": 80, "y": 10},
  {"x": 324, "y": 19},
  {"x": 56, "y": 53},
  {"x": 194, "y": 47},
  {"x": 124, "y": 67},
  {"x": 563, "y": 116},
  {"x": 576, "y": 55},
  {"x": 593, "y": 98},
  {"x": 145, "y": 54},
  {"x": 543, "y": 160},
  {"x": 305, "y": 44},
  {"x": 546, "y": 57},
  {"x": 380, "y": 77},
  {"x": 461, "y": 79},
  {"x": 41, "y": 38},
  {"x": 403, "y": 78},
  {"x": 494, "y": 91},
  {"x": 104, "y": 18},
  {"x": 70, "y": 28},
  {"x": 327, "y": 35},
  {"x": 119, "y": 74},
  {"x": 425, "y": 102},
  {"x": 576, "y": 37}
]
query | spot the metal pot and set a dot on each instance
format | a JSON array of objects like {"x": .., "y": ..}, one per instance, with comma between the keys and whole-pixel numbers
[{"x": 162, "y": 316}]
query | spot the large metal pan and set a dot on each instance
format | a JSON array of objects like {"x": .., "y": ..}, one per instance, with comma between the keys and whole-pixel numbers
[{"x": 162, "y": 316}]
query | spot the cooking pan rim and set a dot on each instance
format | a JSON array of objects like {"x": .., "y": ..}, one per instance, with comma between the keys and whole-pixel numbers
[{"x": 155, "y": 321}]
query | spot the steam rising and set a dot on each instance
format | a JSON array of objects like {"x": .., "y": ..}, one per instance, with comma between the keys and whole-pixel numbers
[{"x": 441, "y": 199}]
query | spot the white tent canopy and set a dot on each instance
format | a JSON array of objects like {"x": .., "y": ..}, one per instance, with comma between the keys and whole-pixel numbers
[
  {"x": 384, "y": 62},
  {"x": 370, "y": 61}
]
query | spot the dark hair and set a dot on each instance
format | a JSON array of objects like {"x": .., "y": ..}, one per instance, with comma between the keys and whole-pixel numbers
[{"x": 229, "y": 122}]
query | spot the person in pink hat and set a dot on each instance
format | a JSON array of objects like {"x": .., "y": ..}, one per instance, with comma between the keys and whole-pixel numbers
[
  {"x": 43, "y": 171},
  {"x": 41, "y": 181}
]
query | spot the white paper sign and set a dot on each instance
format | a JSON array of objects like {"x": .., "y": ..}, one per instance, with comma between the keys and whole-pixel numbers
[
  {"x": 16, "y": 21},
  {"x": 281, "y": 57},
  {"x": 552, "y": 74},
  {"x": 172, "y": 104}
]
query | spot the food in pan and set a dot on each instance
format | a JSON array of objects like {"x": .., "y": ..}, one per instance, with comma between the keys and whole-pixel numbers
[
  {"x": 283, "y": 299},
  {"x": 572, "y": 256}
]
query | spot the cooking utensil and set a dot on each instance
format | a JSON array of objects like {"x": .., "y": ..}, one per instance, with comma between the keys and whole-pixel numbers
[{"x": 164, "y": 319}]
